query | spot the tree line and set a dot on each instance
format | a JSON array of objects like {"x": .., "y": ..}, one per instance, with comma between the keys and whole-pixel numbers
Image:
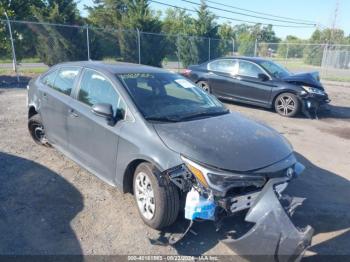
[{"x": 172, "y": 36}]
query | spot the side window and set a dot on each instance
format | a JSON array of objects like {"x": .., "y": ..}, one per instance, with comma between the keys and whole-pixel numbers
[
  {"x": 95, "y": 88},
  {"x": 224, "y": 65},
  {"x": 65, "y": 78},
  {"x": 49, "y": 79},
  {"x": 249, "y": 69}
]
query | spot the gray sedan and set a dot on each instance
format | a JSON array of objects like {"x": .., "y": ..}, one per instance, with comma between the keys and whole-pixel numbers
[{"x": 157, "y": 135}]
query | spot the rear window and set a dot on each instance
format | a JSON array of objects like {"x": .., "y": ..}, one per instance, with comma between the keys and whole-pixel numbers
[
  {"x": 49, "y": 78},
  {"x": 229, "y": 66},
  {"x": 65, "y": 78}
]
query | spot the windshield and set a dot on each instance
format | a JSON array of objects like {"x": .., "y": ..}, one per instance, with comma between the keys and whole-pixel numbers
[
  {"x": 275, "y": 69},
  {"x": 169, "y": 97}
]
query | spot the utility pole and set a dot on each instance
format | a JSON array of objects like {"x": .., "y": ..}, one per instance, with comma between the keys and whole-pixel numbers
[
  {"x": 209, "y": 47},
  {"x": 334, "y": 21},
  {"x": 88, "y": 42},
  {"x": 233, "y": 46},
  {"x": 256, "y": 47},
  {"x": 139, "y": 44},
  {"x": 14, "y": 60}
]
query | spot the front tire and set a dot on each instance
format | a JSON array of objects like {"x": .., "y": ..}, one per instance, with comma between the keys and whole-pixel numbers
[
  {"x": 287, "y": 104},
  {"x": 205, "y": 86},
  {"x": 158, "y": 205}
]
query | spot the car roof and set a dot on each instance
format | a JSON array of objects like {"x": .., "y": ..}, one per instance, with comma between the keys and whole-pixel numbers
[
  {"x": 115, "y": 67},
  {"x": 252, "y": 59}
]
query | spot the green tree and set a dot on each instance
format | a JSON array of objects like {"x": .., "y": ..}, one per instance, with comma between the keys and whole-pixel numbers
[
  {"x": 224, "y": 45},
  {"x": 126, "y": 16},
  {"x": 105, "y": 19},
  {"x": 192, "y": 40},
  {"x": 206, "y": 28},
  {"x": 246, "y": 43},
  {"x": 313, "y": 53},
  {"x": 247, "y": 35},
  {"x": 59, "y": 43},
  {"x": 291, "y": 47},
  {"x": 180, "y": 26},
  {"x": 5, "y": 49},
  {"x": 22, "y": 35}
]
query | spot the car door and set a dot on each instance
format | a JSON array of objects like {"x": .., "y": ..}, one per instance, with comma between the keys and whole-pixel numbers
[
  {"x": 92, "y": 141},
  {"x": 249, "y": 87},
  {"x": 221, "y": 80},
  {"x": 54, "y": 91}
]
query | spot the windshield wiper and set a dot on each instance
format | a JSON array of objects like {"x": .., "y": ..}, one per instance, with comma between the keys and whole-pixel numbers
[
  {"x": 203, "y": 114},
  {"x": 161, "y": 119}
]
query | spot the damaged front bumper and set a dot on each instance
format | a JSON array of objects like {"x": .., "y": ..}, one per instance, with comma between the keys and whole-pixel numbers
[
  {"x": 312, "y": 102},
  {"x": 273, "y": 236}
]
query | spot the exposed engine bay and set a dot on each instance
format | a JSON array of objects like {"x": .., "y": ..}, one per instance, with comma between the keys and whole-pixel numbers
[{"x": 272, "y": 235}]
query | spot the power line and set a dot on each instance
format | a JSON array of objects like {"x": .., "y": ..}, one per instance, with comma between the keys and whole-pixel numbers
[
  {"x": 259, "y": 13},
  {"x": 229, "y": 18},
  {"x": 254, "y": 16}
]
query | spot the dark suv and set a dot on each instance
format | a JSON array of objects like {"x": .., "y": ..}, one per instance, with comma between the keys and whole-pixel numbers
[{"x": 159, "y": 136}]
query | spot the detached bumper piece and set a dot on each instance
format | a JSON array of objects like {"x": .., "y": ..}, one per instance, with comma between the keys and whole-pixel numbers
[
  {"x": 311, "y": 104},
  {"x": 273, "y": 237}
]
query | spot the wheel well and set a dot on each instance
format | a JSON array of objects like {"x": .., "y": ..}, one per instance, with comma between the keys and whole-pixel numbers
[
  {"x": 201, "y": 80},
  {"x": 129, "y": 175},
  {"x": 32, "y": 111}
]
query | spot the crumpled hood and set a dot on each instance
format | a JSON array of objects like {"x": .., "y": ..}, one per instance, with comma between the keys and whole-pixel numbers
[
  {"x": 310, "y": 79},
  {"x": 230, "y": 142}
]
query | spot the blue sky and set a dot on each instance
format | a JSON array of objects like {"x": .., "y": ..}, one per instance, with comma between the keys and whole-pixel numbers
[{"x": 320, "y": 11}]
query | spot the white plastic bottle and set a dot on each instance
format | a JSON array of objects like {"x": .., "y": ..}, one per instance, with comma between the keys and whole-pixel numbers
[{"x": 199, "y": 207}]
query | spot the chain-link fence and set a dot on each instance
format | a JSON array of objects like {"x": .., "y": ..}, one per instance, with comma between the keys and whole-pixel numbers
[
  {"x": 332, "y": 61},
  {"x": 39, "y": 45}
]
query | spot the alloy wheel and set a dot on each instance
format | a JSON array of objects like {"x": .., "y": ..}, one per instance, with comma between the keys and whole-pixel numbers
[
  {"x": 286, "y": 105},
  {"x": 145, "y": 195},
  {"x": 204, "y": 86}
]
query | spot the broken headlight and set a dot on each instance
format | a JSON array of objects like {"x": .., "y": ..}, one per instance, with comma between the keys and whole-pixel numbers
[
  {"x": 221, "y": 180},
  {"x": 225, "y": 181},
  {"x": 313, "y": 90}
]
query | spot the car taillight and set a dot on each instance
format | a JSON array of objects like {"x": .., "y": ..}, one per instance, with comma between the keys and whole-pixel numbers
[{"x": 187, "y": 72}]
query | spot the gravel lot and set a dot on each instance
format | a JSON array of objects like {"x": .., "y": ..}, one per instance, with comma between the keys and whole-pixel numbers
[{"x": 49, "y": 205}]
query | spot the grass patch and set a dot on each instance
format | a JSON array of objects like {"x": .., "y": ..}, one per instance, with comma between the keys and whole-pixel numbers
[
  {"x": 24, "y": 60},
  {"x": 336, "y": 78},
  {"x": 23, "y": 71}
]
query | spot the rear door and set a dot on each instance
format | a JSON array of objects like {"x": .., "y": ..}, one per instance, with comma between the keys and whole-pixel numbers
[
  {"x": 221, "y": 80},
  {"x": 54, "y": 91},
  {"x": 249, "y": 87},
  {"x": 91, "y": 140}
]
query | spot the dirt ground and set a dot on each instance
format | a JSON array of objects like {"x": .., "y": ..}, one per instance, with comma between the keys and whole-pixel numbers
[{"x": 49, "y": 205}]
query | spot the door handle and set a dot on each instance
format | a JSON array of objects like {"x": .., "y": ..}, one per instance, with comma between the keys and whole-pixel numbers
[
  {"x": 44, "y": 95},
  {"x": 72, "y": 113}
]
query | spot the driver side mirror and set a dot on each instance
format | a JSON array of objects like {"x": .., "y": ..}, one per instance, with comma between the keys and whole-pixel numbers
[
  {"x": 105, "y": 111},
  {"x": 263, "y": 77}
]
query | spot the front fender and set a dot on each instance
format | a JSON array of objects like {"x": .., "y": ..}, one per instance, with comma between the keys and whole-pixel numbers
[{"x": 146, "y": 147}]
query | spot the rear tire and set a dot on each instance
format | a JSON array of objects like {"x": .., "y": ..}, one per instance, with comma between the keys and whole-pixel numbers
[
  {"x": 158, "y": 205},
  {"x": 37, "y": 131},
  {"x": 287, "y": 104},
  {"x": 204, "y": 85}
]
